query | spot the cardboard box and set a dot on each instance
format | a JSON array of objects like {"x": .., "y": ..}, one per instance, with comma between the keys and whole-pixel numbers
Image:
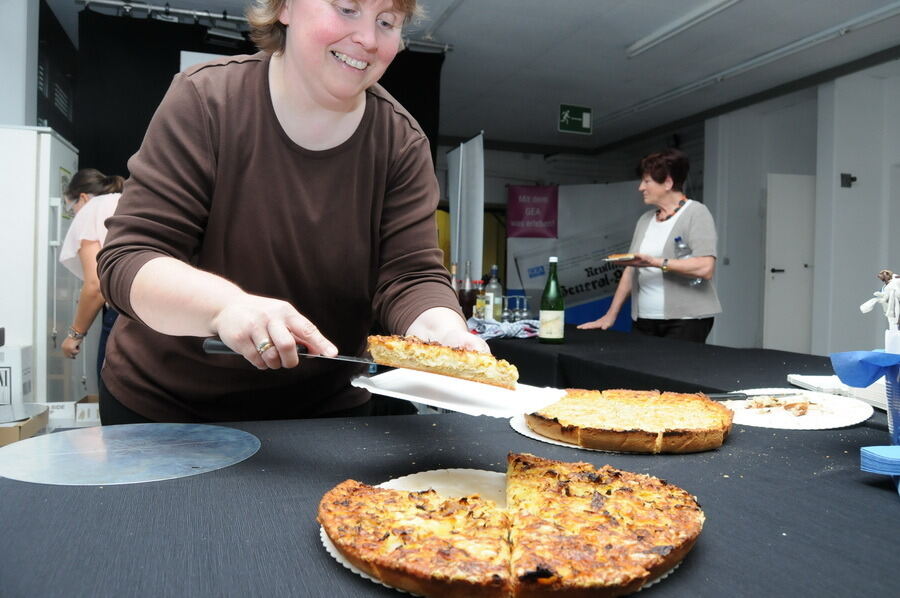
[
  {"x": 61, "y": 412},
  {"x": 16, "y": 385},
  {"x": 84, "y": 411},
  {"x": 87, "y": 410},
  {"x": 16, "y": 431}
]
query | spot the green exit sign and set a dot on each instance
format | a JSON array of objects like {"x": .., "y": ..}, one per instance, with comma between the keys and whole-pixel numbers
[{"x": 574, "y": 119}]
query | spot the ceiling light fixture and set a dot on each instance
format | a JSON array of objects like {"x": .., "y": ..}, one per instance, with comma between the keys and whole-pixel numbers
[
  {"x": 869, "y": 18},
  {"x": 694, "y": 17},
  {"x": 426, "y": 45},
  {"x": 154, "y": 10},
  {"x": 224, "y": 33}
]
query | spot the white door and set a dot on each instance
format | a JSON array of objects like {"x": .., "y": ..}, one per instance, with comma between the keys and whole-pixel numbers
[{"x": 787, "y": 305}]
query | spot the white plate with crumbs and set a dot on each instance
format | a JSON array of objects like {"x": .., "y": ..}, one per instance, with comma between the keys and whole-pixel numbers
[{"x": 797, "y": 409}]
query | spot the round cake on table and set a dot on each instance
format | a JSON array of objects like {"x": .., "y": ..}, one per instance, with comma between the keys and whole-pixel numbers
[
  {"x": 638, "y": 421},
  {"x": 568, "y": 530}
]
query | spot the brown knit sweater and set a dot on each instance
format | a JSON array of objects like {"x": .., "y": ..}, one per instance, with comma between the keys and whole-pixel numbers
[{"x": 346, "y": 235}]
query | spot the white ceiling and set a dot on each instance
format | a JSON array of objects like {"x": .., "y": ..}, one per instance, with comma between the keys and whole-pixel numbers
[{"x": 513, "y": 62}]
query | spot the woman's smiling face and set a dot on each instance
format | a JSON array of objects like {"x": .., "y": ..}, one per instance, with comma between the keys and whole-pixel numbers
[{"x": 342, "y": 47}]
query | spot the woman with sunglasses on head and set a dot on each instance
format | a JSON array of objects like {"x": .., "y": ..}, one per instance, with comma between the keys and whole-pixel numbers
[
  {"x": 91, "y": 197},
  {"x": 277, "y": 199}
]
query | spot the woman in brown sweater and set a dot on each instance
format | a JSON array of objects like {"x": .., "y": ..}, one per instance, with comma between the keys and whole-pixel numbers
[{"x": 276, "y": 199}]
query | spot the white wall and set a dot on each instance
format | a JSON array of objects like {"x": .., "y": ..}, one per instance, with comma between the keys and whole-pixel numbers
[
  {"x": 849, "y": 125},
  {"x": 742, "y": 147},
  {"x": 18, "y": 67},
  {"x": 856, "y": 227}
]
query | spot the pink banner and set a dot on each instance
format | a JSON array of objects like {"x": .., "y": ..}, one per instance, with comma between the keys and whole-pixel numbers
[{"x": 531, "y": 211}]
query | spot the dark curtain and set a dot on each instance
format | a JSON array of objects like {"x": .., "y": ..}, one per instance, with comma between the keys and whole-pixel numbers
[
  {"x": 414, "y": 78},
  {"x": 125, "y": 66}
]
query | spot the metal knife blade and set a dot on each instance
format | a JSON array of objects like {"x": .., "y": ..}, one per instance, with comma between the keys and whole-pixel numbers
[
  {"x": 718, "y": 396},
  {"x": 214, "y": 346}
]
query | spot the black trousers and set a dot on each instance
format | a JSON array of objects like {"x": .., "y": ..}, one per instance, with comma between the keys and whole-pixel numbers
[
  {"x": 113, "y": 412},
  {"x": 686, "y": 330}
]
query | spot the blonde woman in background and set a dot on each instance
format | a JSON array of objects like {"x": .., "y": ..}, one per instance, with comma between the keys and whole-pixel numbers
[{"x": 92, "y": 197}]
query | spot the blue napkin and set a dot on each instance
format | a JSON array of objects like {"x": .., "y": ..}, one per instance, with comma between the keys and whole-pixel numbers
[
  {"x": 880, "y": 459},
  {"x": 862, "y": 368}
]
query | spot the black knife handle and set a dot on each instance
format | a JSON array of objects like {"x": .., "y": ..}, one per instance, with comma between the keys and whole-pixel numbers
[{"x": 214, "y": 346}]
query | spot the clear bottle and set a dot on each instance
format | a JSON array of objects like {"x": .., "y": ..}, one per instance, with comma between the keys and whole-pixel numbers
[
  {"x": 506, "y": 314},
  {"x": 683, "y": 250},
  {"x": 552, "y": 315},
  {"x": 522, "y": 312},
  {"x": 494, "y": 294},
  {"x": 480, "y": 309},
  {"x": 454, "y": 281}
]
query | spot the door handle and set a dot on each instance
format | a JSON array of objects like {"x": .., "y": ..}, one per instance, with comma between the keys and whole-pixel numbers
[{"x": 776, "y": 270}]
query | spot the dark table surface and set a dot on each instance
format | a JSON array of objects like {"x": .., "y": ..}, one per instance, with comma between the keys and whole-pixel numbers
[
  {"x": 597, "y": 359},
  {"x": 787, "y": 513}
]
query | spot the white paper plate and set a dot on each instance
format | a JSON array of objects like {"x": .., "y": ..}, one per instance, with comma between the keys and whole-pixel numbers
[
  {"x": 455, "y": 394},
  {"x": 450, "y": 483},
  {"x": 826, "y": 411},
  {"x": 518, "y": 423}
]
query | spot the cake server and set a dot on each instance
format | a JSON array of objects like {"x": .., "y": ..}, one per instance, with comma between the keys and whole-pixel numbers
[
  {"x": 214, "y": 346},
  {"x": 718, "y": 396}
]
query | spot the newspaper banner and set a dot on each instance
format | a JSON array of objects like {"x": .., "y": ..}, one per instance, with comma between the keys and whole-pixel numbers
[
  {"x": 531, "y": 211},
  {"x": 583, "y": 275}
]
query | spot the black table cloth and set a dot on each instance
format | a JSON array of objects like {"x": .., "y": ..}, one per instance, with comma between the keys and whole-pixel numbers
[
  {"x": 787, "y": 513},
  {"x": 598, "y": 359}
]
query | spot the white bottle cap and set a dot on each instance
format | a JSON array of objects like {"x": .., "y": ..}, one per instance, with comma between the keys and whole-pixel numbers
[{"x": 553, "y": 259}]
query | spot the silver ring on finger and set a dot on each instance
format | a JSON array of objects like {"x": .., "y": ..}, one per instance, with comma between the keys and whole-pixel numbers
[{"x": 264, "y": 346}]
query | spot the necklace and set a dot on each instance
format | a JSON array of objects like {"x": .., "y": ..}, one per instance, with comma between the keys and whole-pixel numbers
[{"x": 675, "y": 211}]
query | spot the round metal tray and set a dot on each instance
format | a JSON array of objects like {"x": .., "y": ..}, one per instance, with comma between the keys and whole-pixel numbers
[
  {"x": 19, "y": 412},
  {"x": 126, "y": 454}
]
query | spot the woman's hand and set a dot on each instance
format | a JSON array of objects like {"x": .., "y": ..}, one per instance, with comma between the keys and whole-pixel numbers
[
  {"x": 464, "y": 340},
  {"x": 252, "y": 322},
  {"x": 71, "y": 347},
  {"x": 603, "y": 323},
  {"x": 445, "y": 326},
  {"x": 642, "y": 260}
]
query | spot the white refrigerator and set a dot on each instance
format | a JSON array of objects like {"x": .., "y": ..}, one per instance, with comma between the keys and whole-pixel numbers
[{"x": 39, "y": 295}]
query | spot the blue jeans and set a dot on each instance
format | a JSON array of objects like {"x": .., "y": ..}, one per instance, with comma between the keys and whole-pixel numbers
[{"x": 109, "y": 318}]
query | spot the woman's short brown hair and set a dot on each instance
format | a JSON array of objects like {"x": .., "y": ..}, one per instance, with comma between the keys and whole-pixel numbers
[
  {"x": 670, "y": 162},
  {"x": 268, "y": 33}
]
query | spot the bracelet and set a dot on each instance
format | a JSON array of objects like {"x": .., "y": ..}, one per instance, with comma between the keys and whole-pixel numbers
[
  {"x": 72, "y": 333},
  {"x": 665, "y": 265}
]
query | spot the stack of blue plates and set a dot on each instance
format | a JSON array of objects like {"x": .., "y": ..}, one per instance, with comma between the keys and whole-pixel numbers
[{"x": 880, "y": 459}]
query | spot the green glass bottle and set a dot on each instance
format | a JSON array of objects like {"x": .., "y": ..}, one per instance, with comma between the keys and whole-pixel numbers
[{"x": 552, "y": 309}]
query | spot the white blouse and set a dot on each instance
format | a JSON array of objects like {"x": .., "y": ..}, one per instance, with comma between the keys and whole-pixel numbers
[
  {"x": 651, "y": 297},
  {"x": 89, "y": 224}
]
